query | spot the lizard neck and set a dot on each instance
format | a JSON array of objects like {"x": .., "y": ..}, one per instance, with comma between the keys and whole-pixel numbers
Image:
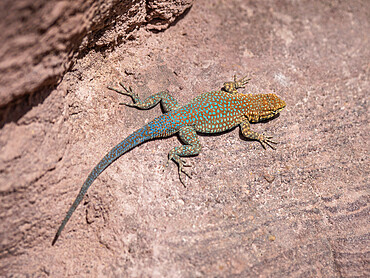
[{"x": 253, "y": 106}]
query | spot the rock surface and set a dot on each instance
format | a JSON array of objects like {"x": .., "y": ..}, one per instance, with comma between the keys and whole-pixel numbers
[
  {"x": 302, "y": 210},
  {"x": 41, "y": 40}
]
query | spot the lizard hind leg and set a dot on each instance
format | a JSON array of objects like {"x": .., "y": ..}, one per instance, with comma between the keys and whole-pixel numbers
[
  {"x": 168, "y": 102},
  {"x": 192, "y": 147}
]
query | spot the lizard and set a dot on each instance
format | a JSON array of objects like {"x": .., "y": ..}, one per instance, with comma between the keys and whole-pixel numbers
[{"x": 208, "y": 113}]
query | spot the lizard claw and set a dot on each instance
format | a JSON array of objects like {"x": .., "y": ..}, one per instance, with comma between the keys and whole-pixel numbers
[
  {"x": 232, "y": 87},
  {"x": 241, "y": 82},
  {"x": 263, "y": 139},
  {"x": 117, "y": 90},
  {"x": 184, "y": 164},
  {"x": 186, "y": 174},
  {"x": 181, "y": 164},
  {"x": 127, "y": 92}
]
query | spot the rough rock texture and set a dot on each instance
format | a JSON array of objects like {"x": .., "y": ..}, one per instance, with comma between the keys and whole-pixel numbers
[
  {"x": 302, "y": 210},
  {"x": 40, "y": 40}
]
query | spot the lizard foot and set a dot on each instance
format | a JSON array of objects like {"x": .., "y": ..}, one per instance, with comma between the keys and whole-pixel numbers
[
  {"x": 263, "y": 139},
  {"x": 181, "y": 164},
  {"x": 241, "y": 82},
  {"x": 232, "y": 87},
  {"x": 127, "y": 92}
]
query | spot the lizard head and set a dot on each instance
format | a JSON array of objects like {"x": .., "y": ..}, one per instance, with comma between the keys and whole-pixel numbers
[{"x": 266, "y": 106}]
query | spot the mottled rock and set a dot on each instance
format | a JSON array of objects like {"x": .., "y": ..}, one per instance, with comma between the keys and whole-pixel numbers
[{"x": 299, "y": 211}]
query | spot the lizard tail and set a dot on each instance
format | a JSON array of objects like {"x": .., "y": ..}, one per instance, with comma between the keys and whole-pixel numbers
[{"x": 136, "y": 138}]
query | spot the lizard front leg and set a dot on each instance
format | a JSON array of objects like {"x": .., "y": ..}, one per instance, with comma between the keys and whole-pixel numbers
[
  {"x": 232, "y": 87},
  {"x": 245, "y": 128},
  {"x": 192, "y": 147},
  {"x": 168, "y": 102}
]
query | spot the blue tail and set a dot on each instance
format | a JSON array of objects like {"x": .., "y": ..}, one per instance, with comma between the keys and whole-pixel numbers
[{"x": 136, "y": 138}]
